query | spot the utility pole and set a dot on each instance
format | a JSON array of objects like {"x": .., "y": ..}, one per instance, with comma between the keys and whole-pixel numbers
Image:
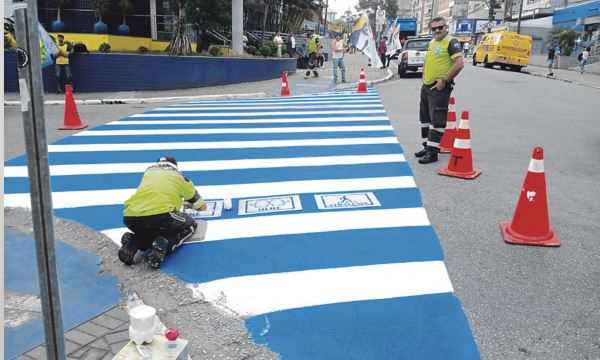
[
  {"x": 326, "y": 10},
  {"x": 32, "y": 108},
  {"x": 492, "y": 15},
  {"x": 519, "y": 19}
]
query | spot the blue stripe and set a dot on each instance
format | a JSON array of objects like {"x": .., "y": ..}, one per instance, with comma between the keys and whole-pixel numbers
[
  {"x": 212, "y": 260},
  {"x": 238, "y": 126},
  {"x": 110, "y": 216},
  {"x": 219, "y": 137},
  {"x": 218, "y": 177},
  {"x": 418, "y": 327},
  {"x": 107, "y": 157}
]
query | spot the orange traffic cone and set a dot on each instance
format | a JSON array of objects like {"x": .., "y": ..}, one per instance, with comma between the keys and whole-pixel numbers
[
  {"x": 460, "y": 164},
  {"x": 285, "y": 87},
  {"x": 530, "y": 224},
  {"x": 72, "y": 120},
  {"x": 362, "y": 82},
  {"x": 450, "y": 131}
]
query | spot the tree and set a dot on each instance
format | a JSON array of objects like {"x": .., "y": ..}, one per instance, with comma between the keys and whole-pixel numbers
[
  {"x": 60, "y": 5},
  {"x": 102, "y": 7},
  {"x": 180, "y": 43},
  {"x": 370, "y": 7},
  {"x": 126, "y": 7},
  {"x": 390, "y": 7}
]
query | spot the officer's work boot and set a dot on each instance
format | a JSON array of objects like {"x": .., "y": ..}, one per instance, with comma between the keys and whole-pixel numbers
[
  {"x": 422, "y": 152},
  {"x": 159, "y": 250},
  {"x": 430, "y": 157},
  {"x": 128, "y": 249}
]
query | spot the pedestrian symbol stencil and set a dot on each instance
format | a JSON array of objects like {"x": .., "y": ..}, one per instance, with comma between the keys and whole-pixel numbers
[{"x": 346, "y": 201}]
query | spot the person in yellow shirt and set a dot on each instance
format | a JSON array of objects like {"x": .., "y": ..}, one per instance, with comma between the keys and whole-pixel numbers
[
  {"x": 154, "y": 215},
  {"x": 62, "y": 64},
  {"x": 443, "y": 62}
]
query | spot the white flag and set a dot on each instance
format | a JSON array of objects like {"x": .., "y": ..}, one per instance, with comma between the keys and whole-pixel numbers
[{"x": 362, "y": 39}]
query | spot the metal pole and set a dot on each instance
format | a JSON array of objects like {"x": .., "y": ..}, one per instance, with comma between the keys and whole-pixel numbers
[
  {"x": 32, "y": 107},
  {"x": 237, "y": 26},
  {"x": 326, "y": 20},
  {"x": 491, "y": 15},
  {"x": 519, "y": 19}
]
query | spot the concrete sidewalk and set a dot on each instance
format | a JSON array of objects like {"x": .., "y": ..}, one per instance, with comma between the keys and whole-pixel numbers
[
  {"x": 569, "y": 76},
  {"x": 264, "y": 88}
]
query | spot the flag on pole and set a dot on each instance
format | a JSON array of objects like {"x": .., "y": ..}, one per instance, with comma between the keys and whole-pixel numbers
[
  {"x": 48, "y": 48},
  {"x": 362, "y": 39},
  {"x": 393, "y": 35}
]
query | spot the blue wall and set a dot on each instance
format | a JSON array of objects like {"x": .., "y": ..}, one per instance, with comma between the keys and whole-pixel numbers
[
  {"x": 567, "y": 17},
  {"x": 128, "y": 72}
]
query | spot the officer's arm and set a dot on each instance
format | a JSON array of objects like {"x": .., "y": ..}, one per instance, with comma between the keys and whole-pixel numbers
[{"x": 458, "y": 63}]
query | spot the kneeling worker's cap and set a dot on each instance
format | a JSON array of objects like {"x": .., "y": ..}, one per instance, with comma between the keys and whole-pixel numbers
[{"x": 168, "y": 160}]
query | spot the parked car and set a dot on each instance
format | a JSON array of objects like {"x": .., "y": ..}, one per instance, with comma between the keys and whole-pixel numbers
[{"x": 412, "y": 56}]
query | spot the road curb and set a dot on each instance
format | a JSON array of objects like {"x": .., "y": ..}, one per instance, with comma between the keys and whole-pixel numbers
[
  {"x": 369, "y": 83},
  {"x": 559, "y": 79},
  {"x": 109, "y": 101}
]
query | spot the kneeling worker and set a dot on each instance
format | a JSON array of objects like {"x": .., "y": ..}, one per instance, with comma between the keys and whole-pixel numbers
[{"x": 153, "y": 213}]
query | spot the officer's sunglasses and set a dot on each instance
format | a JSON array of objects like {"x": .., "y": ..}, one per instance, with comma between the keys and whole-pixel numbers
[{"x": 438, "y": 28}]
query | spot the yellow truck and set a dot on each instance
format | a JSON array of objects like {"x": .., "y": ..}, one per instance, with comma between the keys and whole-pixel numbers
[{"x": 507, "y": 49}]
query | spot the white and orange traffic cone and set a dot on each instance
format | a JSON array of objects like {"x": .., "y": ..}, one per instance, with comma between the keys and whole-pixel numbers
[
  {"x": 530, "y": 224},
  {"x": 460, "y": 164},
  {"x": 450, "y": 132},
  {"x": 71, "y": 120},
  {"x": 362, "y": 82},
  {"x": 285, "y": 85}
]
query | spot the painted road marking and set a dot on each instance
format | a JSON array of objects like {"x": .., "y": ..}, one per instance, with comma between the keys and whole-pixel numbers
[
  {"x": 284, "y": 130},
  {"x": 386, "y": 260},
  {"x": 269, "y": 204},
  {"x": 346, "y": 200},
  {"x": 71, "y": 199},
  {"x": 261, "y": 294},
  {"x": 121, "y": 168},
  {"x": 219, "y": 144}
]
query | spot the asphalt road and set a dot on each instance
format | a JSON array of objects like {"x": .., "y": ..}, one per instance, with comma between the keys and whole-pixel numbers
[{"x": 522, "y": 302}]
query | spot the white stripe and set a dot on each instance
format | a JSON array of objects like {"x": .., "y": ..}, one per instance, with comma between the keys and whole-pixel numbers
[
  {"x": 450, "y": 125},
  {"x": 464, "y": 124},
  {"x": 462, "y": 143},
  {"x": 261, "y": 294},
  {"x": 73, "y": 199},
  {"x": 282, "y": 102},
  {"x": 247, "y": 121},
  {"x": 220, "y": 144},
  {"x": 283, "y": 130},
  {"x": 303, "y": 223},
  {"x": 536, "y": 166},
  {"x": 249, "y": 113},
  {"x": 122, "y": 168},
  {"x": 370, "y": 96},
  {"x": 260, "y": 107}
]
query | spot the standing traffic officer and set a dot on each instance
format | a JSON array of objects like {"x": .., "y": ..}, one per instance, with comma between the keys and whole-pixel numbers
[{"x": 443, "y": 62}]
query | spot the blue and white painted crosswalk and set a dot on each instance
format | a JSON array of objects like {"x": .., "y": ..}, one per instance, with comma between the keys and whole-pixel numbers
[{"x": 312, "y": 283}]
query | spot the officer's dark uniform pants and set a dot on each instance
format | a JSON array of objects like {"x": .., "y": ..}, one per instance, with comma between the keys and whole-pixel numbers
[
  {"x": 434, "y": 114},
  {"x": 176, "y": 227}
]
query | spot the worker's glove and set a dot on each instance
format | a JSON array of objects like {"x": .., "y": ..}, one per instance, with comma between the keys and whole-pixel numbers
[{"x": 199, "y": 205}]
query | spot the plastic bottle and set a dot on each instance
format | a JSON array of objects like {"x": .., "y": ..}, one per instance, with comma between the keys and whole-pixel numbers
[{"x": 172, "y": 335}]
